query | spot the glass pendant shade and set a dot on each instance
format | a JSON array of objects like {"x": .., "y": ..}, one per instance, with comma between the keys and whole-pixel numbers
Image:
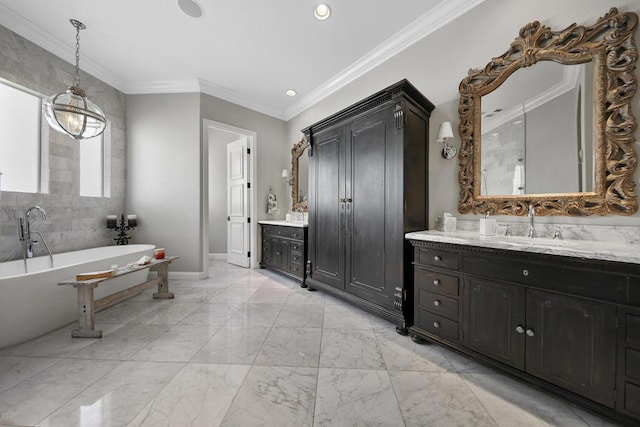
[{"x": 72, "y": 113}]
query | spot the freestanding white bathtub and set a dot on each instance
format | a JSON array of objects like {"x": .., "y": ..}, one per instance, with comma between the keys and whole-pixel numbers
[{"x": 32, "y": 303}]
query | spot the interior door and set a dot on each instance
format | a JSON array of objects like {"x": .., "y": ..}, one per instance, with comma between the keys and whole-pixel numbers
[{"x": 238, "y": 232}]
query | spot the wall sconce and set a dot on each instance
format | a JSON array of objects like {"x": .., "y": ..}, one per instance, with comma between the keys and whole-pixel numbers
[
  {"x": 445, "y": 133},
  {"x": 125, "y": 225},
  {"x": 286, "y": 178}
]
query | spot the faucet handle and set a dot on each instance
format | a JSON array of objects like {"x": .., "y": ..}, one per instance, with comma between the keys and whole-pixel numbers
[
  {"x": 508, "y": 232},
  {"x": 557, "y": 235}
]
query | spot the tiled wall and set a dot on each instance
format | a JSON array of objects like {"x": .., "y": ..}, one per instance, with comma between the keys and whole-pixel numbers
[{"x": 73, "y": 222}]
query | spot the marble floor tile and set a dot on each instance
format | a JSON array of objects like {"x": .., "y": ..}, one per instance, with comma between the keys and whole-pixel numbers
[
  {"x": 229, "y": 295},
  {"x": 116, "y": 398},
  {"x": 212, "y": 314},
  {"x": 291, "y": 347},
  {"x": 14, "y": 370},
  {"x": 178, "y": 344},
  {"x": 277, "y": 283},
  {"x": 402, "y": 354},
  {"x": 350, "y": 348},
  {"x": 198, "y": 396},
  {"x": 248, "y": 282},
  {"x": 173, "y": 313},
  {"x": 192, "y": 295},
  {"x": 126, "y": 312},
  {"x": 233, "y": 345},
  {"x": 255, "y": 315},
  {"x": 338, "y": 314},
  {"x": 511, "y": 402},
  {"x": 300, "y": 295},
  {"x": 269, "y": 295},
  {"x": 122, "y": 344},
  {"x": 464, "y": 364},
  {"x": 356, "y": 397},
  {"x": 274, "y": 396},
  {"x": 438, "y": 399},
  {"x": 58, "y": 343},
  {"x": 36, "y": 398},
  {"x": 294, "y": 315}
]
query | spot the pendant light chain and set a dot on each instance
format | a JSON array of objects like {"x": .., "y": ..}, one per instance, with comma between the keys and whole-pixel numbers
[{"x": 76, "y": 81}]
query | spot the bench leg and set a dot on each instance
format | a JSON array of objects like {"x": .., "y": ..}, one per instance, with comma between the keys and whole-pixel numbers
[
  {"x": 163, "y": 284},
  {"x": 86, "y": 315}
]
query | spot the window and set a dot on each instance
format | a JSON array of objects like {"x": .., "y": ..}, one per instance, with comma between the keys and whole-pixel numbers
[
  {"x": 95, "y": 155},
  {"x": 20, "y": 139}
]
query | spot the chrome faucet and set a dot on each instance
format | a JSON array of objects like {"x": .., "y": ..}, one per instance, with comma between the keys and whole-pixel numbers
[
  {"x": 24, "y": 233},
  {"x": 531, "y": 214}
]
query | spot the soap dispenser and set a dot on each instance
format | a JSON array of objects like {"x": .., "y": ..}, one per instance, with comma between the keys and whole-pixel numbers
[{"x": 488, "y": 226}]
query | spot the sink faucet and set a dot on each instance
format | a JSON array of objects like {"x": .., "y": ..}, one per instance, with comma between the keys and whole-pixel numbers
[
  {"x": 531, "y": 214},
  {"x": 24, "y": 233}
]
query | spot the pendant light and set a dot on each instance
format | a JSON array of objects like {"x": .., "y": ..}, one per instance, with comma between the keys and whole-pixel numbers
[{"x": 71, "y": 112}]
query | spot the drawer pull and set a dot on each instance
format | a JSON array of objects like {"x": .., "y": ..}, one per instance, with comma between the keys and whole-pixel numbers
[
  {"x": 436, "y": 303},
  {"x": 437, "y": 258},
  {"x": 525, "y": 272},
  {"x": 436, "y": 324},
  {"x": 530, "y": 332},
  {"x": 436, "y": 282},
  {"x": 519, "y": 329}
]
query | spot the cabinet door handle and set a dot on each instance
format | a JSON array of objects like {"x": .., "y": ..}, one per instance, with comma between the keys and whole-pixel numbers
[
  {"x": 530, "y": 332},
  {"x": 436, "y": 282},
  {"x": 436, "y": 324},
  {"x": 525, "y": 272},
  {"x": 519, "y": 329},
  {"x": 436, "y": 303},
  {"x": 349, "y": 200},
  {"x": 437, "y": 258}
]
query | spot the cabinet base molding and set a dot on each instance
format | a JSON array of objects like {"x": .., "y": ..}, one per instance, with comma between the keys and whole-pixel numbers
[
  {"x": 420, "y": 336},
  {"x": 284, "y": 273},
  {"x": 389, "y": 314}
]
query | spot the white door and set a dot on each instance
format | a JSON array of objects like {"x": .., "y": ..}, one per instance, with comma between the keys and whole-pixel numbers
[{"x": 238, "y": 203}]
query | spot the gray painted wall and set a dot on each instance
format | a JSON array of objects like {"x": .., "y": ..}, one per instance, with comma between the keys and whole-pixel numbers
[
  {"x": 73, "y": 222},
  {"x": 437, "y": 64}
]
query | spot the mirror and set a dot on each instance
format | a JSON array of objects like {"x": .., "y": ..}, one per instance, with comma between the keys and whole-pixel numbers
[
  {"x": 300, "y": 175},
  {"x": 549, "y": 123}
]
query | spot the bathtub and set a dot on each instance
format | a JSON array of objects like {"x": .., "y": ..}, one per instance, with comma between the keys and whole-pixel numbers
[{"x": 32, "y": 303}]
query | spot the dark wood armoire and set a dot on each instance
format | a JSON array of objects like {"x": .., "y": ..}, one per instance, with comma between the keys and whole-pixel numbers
[{"x": 367, "y": 188}]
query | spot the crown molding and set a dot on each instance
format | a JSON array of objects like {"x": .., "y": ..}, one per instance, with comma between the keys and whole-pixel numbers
[
  {"x": 428, "y": 23},
  {"x": 162, "y": 86},
  {"x": 231, "y": 96},
  {"x": 27, "y": 29}
]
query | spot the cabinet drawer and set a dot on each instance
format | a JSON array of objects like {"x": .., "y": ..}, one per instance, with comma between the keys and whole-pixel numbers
[
  {"x": 632, "y": 398},
  {"x": 436, "y": 282},
  {"x": 438, "y": 304},
  {"x": 296, "y": 233},
  {"x": 297, "y": 247},
  {"x": 274, "y": 230},
  {"x": 633, "y": 328},
  {"x": 296, "y": 258},
  {"x": 296, "y": 269},
  {"x": 437, "y": 325},
  {"x": 632, "y": 362},
  {"x": 437, "y": 258}
]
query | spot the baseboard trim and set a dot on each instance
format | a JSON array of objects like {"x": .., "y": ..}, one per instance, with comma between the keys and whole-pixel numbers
[
  {"x": 222, "y": 257},
  {"x": 187, "y": 275}
]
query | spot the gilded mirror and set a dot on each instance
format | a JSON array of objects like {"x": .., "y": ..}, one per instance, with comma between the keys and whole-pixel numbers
[
  {"x": 300, "y": 175},
  {"x": 549, "y": 123}
]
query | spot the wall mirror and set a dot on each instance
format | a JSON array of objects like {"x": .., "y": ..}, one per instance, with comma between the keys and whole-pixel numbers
[
  {"x": 549, "y": 123},
  {"x": 300, "y": 175}
]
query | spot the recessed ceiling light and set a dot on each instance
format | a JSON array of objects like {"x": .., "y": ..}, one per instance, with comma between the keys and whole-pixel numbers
[
  {"x": 322, "y": 11},
  {"x": 291, "y": 92},
  {"x": 191, "y": 8}
]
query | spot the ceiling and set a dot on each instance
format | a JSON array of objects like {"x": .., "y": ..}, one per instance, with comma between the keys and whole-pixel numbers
[{"x": 248, "y": 52}]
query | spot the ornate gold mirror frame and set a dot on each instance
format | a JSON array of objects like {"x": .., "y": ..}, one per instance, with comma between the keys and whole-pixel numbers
[
  {"x": 610, "y": 44},
  {"x": 296, "y": 153}
]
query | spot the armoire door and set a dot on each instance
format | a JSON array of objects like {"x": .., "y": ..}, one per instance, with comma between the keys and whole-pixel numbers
[
  {"x": 371, "y": 177},
  {"x": 327, "y": 210}
]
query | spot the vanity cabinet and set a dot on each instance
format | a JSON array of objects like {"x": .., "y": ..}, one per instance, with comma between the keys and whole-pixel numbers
[
  {"x": 368, "y": 186},
  {"x": 548, "y": 319},
  {"x": 284, "y": 249}
]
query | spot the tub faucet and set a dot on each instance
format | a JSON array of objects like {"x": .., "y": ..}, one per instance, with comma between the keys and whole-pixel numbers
[
  {"x": 24, "y": 233},
  {"x": 531, "y": 214}
]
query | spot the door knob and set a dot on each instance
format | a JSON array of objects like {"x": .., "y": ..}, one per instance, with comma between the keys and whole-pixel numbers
[
  {"x": 530, "y": 332},
  {"x": 519, "y": 329},
  {"x": 228, "y": 218},
  {"x": 349, "y": 200}
]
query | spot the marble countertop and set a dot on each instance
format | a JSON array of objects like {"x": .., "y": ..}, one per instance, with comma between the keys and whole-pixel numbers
[
  {"x": 589, "y": 249},
  {"x": 284, "y": 223}
]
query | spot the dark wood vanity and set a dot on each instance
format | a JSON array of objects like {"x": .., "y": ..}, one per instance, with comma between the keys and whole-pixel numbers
[
  {"x": 284, "y": 249},
  {"x": 569, "y": 325}
]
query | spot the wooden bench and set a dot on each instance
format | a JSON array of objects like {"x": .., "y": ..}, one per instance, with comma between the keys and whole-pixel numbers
[{"x": 87, "y": 307}]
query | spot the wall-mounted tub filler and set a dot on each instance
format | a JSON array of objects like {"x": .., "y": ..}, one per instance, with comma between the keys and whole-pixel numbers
[{"x": 24, "y": 234}]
